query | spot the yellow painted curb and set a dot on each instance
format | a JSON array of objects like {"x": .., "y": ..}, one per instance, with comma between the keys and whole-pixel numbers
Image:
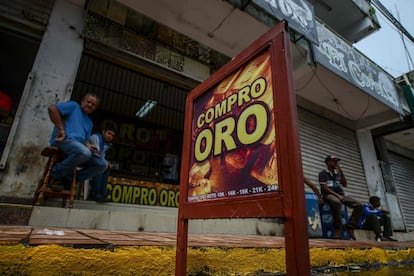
[{"x": 153, "y": 260}]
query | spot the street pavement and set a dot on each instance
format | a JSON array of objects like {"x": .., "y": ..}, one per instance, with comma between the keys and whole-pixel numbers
[
  {"x": 33, "y": 236},
  {"x": 28, "y": 250}
]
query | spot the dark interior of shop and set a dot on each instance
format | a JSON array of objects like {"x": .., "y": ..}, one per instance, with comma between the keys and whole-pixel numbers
[{"x": 17, "y": 54}]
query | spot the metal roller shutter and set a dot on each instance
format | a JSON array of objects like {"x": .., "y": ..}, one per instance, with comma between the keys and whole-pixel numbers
[
  {"x": 403, "y": 172},
  {"x": 320, "y": 137}
]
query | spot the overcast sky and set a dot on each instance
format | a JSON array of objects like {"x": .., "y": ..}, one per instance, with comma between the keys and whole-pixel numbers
[{"x": 385, "y": 46}]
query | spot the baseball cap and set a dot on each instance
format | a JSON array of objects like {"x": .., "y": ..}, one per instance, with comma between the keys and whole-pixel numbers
[{"x": 331, "y": 158}]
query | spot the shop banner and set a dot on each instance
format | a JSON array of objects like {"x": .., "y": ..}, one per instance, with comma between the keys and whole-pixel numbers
[
  {"x": 299, "y": 14},
  {"x": 122, "y": 190},
  {"x": 345, "y": 61},
  {"x": 409, "y": 97},
  {"x": 233, "y": 143}
]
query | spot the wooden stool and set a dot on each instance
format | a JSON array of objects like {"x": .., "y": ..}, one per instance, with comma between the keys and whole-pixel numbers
[{"x": 55, "y": 155}]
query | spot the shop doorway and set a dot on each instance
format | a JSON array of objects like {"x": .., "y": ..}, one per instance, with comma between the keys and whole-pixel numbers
[{"x": 148, "y": 114}]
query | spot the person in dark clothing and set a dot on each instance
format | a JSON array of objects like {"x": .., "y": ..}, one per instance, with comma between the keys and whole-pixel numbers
[
  {"x": 332, "y": 179},
  {"x": 373, "y": 218}
]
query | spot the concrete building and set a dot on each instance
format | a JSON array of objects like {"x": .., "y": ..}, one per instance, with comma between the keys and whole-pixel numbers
[{"x": 134, "y": 53}]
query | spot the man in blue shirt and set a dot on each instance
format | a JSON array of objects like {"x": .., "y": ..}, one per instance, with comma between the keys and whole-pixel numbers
[
  {"x": 101, "y": 142},
  {"x": 332, "y": 179},
  {"x": 373, "y": 218},
  {"x": 72, "y": 130}
]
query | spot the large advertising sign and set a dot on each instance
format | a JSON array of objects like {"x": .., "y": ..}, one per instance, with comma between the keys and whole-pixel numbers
[
  {"x": 234, "y": 136},
  {"x": 241, "y": 152}
]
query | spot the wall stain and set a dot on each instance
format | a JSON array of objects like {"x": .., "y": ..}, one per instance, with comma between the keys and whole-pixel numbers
[{"x": 26, "y": 157}]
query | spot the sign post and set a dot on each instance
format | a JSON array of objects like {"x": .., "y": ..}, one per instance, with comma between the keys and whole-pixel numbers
[{"x": 241, "y": 153}]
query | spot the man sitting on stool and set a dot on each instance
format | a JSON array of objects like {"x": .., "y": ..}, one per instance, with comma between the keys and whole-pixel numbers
[
  {"x": 373, "y": 218},
  {"x": 72, "y": 130}
]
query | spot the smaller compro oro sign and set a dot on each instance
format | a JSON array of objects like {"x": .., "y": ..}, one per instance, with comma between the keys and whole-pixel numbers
[
  {"x": 122, "y": 190},
  {"x": 233, "y": 144}
]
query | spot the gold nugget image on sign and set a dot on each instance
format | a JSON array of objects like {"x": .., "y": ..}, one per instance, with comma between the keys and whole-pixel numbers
[
  {"x": 234, "y": 143},
  {"x": 199, "y": 182}
]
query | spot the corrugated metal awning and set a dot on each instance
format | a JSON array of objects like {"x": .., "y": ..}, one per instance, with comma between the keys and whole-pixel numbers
[{"x": 29, "y": 17}]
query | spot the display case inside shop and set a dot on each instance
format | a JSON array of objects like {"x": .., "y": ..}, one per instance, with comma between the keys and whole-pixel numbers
[{"x": 143, "y": 151}]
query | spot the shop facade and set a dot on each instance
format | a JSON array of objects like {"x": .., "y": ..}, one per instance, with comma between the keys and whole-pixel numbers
[{"x": 132, "y": 59}]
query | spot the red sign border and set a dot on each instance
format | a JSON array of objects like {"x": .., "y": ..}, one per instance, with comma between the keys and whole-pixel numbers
[{"x": 289, "y": 201}]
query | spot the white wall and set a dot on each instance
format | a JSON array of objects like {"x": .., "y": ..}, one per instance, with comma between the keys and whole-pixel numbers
[
  {"x": 374, "y": 177},
  {"x": 54, "y": 72}
]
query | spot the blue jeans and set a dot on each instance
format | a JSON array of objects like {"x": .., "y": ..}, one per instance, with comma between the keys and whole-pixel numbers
[
  {"x": 78, "y": 155},
  {"x": 99, "y": 183}
]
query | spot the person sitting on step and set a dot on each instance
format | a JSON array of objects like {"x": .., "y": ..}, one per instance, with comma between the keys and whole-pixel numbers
[
  {"x": 331, "y": 179},
  {"x": 373, "y": 218}
]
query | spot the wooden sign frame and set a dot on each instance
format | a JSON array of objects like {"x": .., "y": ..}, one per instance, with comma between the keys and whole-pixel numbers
[{"x": 288, "y": 200}]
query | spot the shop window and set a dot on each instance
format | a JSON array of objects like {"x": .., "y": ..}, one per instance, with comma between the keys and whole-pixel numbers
[{"x": 142, "y": 150}]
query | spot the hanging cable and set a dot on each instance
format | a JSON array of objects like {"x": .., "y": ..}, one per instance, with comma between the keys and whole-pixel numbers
[
  {"x": 211, "y": 33},
  {"x": 313, "y": 72},
  {"x": 334, "y": 98},
  {"x": 407, "y": 53},
  {"x": 377, "y": 4}
]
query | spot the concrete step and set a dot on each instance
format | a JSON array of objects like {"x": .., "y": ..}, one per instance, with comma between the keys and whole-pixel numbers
[
  {"x": 130, "y": 217},
  {"x": 15, "y": 214},
  {"x": 370, "y": 236}
]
